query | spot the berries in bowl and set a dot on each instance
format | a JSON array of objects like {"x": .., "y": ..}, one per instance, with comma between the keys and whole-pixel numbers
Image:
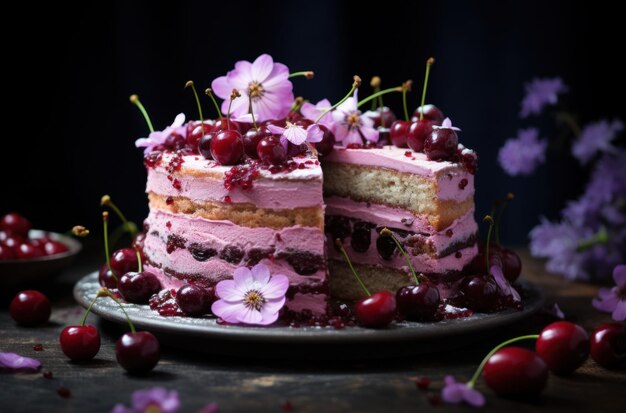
[{"x": 30, "y": 255}]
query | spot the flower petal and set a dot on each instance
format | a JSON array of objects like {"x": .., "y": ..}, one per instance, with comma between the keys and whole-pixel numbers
[
  {"x": 228, "y": 312},
  {"x": 276, "y": 130},
  {"x": 221, "y": 87},
  {"x": 242, "y": 277},
  {"x": 178, "y": 121},
  {"x": 619, "y": 275},
  {"x": 369, "y": 133},
  {"x": 261, "y": 274},
  {"x": 276, "y": 287},
  {"x": 250, "y": 316},
  {"x": 620, "y": 311},
  {"x": 353, "y": 136},
  {"x": 314, "y": 133},
  {"x": 473, "y": 397},
  {"x": 452, "y": 393},
  {"x": 279, "y": 74},
  {"x": 295, "y": 134},
  {"x": 608, "y": 304},
  {"x": 228, "y": 290},
  {"x": 15, "y": 362},
  {"x": 262, "y": 67},
  {"x": 270, "y": 311}
]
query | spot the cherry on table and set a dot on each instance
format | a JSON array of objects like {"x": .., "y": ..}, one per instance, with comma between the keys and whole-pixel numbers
[
  {"x": 377, "y": 310},
  {"x": 30, "y": 307},
  {"x": 124, "y": 260},
  {"x": 608, "y": 345},
  {"x": 138, "y": 287},
  {"x": 106, "y": 277},
  {"x": 418, "y": 302},
  {"x": 80, "y": 343},
  {"x": 564, "y": 346},
  {"x": 16, "y": 224},
  {"x": 195, "y": 300},
  {"x": 271, "y": 151},
  {"x": 138, "y": 352},
  {"x": 227, "y": 147},
  {"x": 514, "y": 371}
]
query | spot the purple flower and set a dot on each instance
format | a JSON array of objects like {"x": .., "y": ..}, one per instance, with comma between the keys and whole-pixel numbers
[
  {"x": 312, "y": 112},
  {"x": 251, "y": 297},
  {"x": 210, "y": 408},
  {"x": 455, "y": 393},
  {"x": 14, "y": 362},
  {"x": 596, "y": 137},
  {"x": 539, "y": 93},
  {"x": 296, "y": 134},
  {"x": 446, "y": 124},
  {"x": 158, "y": 137},
  {"x": 350, "y": 125},
  {"x": 521, "y": 155},
  {"x": 503, "y": 284},
  {"x": 614, "y": 300},
  {"x": 265, "y": 82},
  {"x": 155, "y": 399}
]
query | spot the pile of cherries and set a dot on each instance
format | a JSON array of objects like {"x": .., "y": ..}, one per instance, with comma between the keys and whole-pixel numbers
[{"x": 15, "y": 243}]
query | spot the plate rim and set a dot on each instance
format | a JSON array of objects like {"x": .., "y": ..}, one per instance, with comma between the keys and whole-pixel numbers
[{"x": 399, "y": 332}]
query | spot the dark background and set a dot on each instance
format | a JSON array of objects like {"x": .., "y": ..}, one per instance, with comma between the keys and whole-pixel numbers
[{"x": 70, "y": 130}]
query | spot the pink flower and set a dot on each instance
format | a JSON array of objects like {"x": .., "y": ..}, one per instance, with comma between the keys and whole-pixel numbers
[
  {"x": 251, "y": 297},
  {"x": 14, "y": 362},
  {"x": 540, "y": 93},
  {"x": 296, "y": 134},
  {"x": 447, "y": 124},
  {"x": 312, "y": 112},
  {"x": 263, "y": 81},
  {"x": 158, "y": 137},
  {"x": 351, "y": 126},
  {"x": 155, "y": 399},
  {"x": 614, "y": 300},
  {"x": 455, "y": 393}
]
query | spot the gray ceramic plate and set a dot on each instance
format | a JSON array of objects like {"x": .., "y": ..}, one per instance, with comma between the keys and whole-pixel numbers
[{"x": 204, "y": 334}]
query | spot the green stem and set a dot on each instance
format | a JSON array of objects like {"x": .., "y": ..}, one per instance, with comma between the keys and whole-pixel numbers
[
  {"x": 429, "y": 63},
  {"x": 345, "y": 255},
  {"x": 229, "y": 106},
  {"x": 376, "y": 90},
  {"x": 105, "y": 224},
  {"x": 306, "y": 73},
  {"x": 385, "y": 232},
  {"x": 476, "y": 375},
  {"x": 195, "y": 93},
  {"x": 354, "y": 86},
  {"x": 406, "y": 110},
  {"x": 106, "y": 293},
  {"x": 380, "y": 101},
  {"x": 209, "y": 93},
  {"x": 601, "y": 237},
  {"x": 380, "y": 93},
  {"x": 82, "y": 322},
  {"x": 251, "y": 111},
  {"x": 135, "y": 100},
  {"x": 139, "y": 263},
  {"x": 489, "y": 219}
]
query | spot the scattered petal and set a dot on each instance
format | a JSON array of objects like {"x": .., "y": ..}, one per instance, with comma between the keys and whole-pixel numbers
[{"x": 14, "y": 362}]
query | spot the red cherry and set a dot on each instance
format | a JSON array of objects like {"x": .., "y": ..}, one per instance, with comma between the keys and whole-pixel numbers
[
  {"x": 251, "y": 140},
  {"x": 204, "y": 145},
  {"x": 564, "y": 346},
  {"x": 80, "y": 343},
  {"x": 377, "y": 310},
  {"x": 124, "y": 260},
  {"x": 227, "y": 147},
  {"x": 225, "y": 124},
  {"x": 399, "y": 132},
  {"x": 418, "y": 132},
  {"x": 106, "y": 278},
  {"x": 441, "y": 144},
  {"x": 383, "y": 116},
  {"x": 30, "y": 308},
  {"x": 54, "y": 247},
  {"x": 514, "y": 371},
  {"x": 195, "y": 300},
  {"x": 12, "y": 241},
  {"x": 138, "y": 352},
  {"x": 511, "y": 264},
  {"x": 15, "y": 224},
  {"x": 26, "y": 251},
  {"x": 175, "y": 141},
  {"x": 195, "y": 131},
  {"x": 480, "y": 293},
  {"x": 608, "y": 345},
  {"x": 304, "y": 122},
  {"x": 431, "y": 113},
  {"x": 281, "y": 123},
  {"x": 418, "y": 302},
  {"x": 6, "y": 253},
  {"x": 138, "y": 287},
  {"x": 327, "y": 144},
  {"x": 271, "y": 151}
]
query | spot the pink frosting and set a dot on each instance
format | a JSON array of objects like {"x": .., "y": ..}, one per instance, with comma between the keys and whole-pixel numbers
[{"x": 449, "y": 175}]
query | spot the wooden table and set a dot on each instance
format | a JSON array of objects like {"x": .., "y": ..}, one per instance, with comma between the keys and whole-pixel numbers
[{"x": 254, "y": 384}]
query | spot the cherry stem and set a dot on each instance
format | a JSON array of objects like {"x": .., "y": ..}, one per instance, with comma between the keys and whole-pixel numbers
[
  {"x": 345, "y": 255},
  {"x": 406, "y": 111},
  {"x": 209, "y": 93},
  {"x": 429, "y": 63},
  {"x": 312, "y": 148},
  {"x": 377, "y": 94},
  {"x": 309, "y": 74},
  {"x": 374, "y": 107},
  {"x": 134, "y": 99},
  {"x": 476, "y": 375},
  {"x": 250, "y": 110},
  {"x": 386, "y": 232},
  {"x": 106, "y": 201},
  {"x": 106, "y": 293},
  {"x": 105, "y": 224},
  {"x": 488, "y": 219},
  {"x": 297, "y": 104},
  {"x": 234, "y": 95},
  {"x": 139, "y": 263},
  {"x": 355, "y": 85},
  {"x": 84, "y": 319},
  {"x": 195, "y": 93},
  {"x": 509, "y": 197}
]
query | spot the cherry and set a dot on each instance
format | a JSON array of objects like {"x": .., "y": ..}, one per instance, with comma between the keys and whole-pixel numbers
[
  {"x": 327, "y": 144},
  {"x": 204, "y": 145},
  {"x": 511, "y": 264},
  {"x": 6, "y": 253},
  {"x": 138, "y": 287},
  {"x": 195, "y": 132},
  {"x": 304, "y": 122},
  {"x": 13, "y": 241},
  {"x": 227, "y": 147},
  {"x": 399, "y": 132},
  {"x": 377, "y": 310},
  {"x": 480, "y": 292},
  {"x": 175, "y": 141},
  {"x": 54, "y": 247},
  {"x": 124, "y": 260},
  {"x": 382, "y": 117},
  {"x": 431, "y": 113},
  {"x": 361, "y": 236},
  {"x": 16, "y": 224},
  {"x": 281, "y": 123},
  {"x": 514, "y": 371},
  {"x": 418, "y": 132},
  {"x": 271, "y": 151},
  {"x": 195, "y": 300},
  {"x": 468, "y": 158},
  {"x": 564, "y": 346},
  {"x": 385, "y": 247},
  {"x": 106, "y": 277},
  {"x": 608, "y": 345},
  {"x": 80, "y": 343},
  {"x": 441, "y": 144},
  {"x": 418, "y": 302},
  {"x": 251, "y": 140},
  {"x": 30, "y": 308},
  {"x": 138, "y": 352},
  {"x": 295, "y": 150},
  {"x": 26, "y": 251},
  {"x": 222, "y": 124}
]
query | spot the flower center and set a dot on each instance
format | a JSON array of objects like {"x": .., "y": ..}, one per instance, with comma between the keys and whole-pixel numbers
[
  {"x": 254, "y": 299},
  {"x": 353, "y": 119},
  {"x": 255, "y": 89}
]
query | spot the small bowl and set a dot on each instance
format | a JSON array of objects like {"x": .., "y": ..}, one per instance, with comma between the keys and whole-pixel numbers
[{"x": 28, "y": 272}]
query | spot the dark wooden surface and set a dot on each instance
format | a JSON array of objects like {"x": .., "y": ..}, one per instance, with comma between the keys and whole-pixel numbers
[{"x": 251, "y": 383}]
